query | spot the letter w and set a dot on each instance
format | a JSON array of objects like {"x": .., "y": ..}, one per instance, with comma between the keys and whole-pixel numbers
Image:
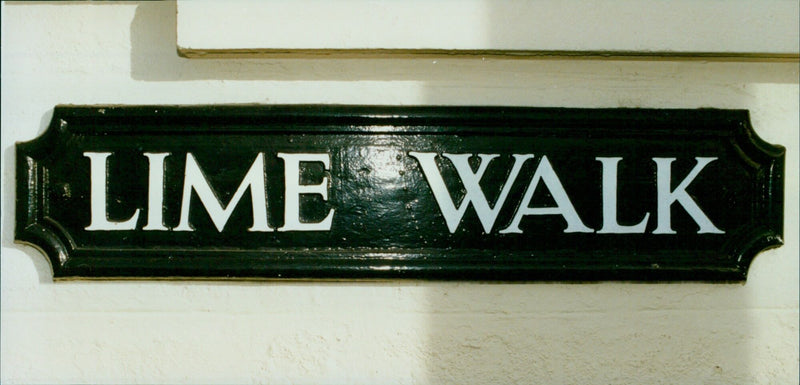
[{"x": 471, "y": 181}]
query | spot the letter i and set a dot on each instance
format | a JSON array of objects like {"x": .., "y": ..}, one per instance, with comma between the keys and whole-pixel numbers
[{"x": 155, "y": 186}]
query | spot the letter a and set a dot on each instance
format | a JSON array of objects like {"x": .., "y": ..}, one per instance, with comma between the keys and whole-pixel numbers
[{"x": 564, "y": 207}]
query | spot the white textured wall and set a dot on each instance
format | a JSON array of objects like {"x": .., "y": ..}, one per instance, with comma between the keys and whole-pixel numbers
[{"x": 376, "y": 332}]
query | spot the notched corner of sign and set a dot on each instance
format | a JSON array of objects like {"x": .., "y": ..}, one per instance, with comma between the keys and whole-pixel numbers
[
  {"x": 31, "y": 227},
  {"x": 768, "y": 161},
  {"x": 749, "y": 135},
  {"x": 756, "y": 245},
  {"x": 52, "y": 243},
  {"x": 44, "y": 143},
  {"x": 49, "y": 246},
  {"x": 55, "y": 260}
]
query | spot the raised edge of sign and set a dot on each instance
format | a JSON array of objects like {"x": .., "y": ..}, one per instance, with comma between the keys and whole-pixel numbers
[{"x": 34, "y": 227}]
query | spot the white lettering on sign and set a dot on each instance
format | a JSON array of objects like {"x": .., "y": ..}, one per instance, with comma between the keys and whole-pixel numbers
[
  {"x": 471, "y": 181},
  {"x": 155, "y": 193},
  {"x": 195, "y": 181},
  {"x": 291, "y": 218},
  {"x": 99, "y": 215},
  {"x": 546, "y": 175},
  {"x": 667, "y": 197},
  {"x": 610, "y": 224}
]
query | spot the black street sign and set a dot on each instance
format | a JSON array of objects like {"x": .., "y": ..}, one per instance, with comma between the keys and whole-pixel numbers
[{"x": 351, "y": 192}]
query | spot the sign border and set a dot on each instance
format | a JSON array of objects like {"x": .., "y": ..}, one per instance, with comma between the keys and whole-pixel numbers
[{"x": 68, "y": 261}]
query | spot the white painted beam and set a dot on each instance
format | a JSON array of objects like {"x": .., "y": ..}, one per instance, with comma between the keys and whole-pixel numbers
[{"x": 710, "y": 27}]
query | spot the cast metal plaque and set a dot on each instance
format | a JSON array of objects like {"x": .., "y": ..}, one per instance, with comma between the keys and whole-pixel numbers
[{"x": 351, "y": 192}]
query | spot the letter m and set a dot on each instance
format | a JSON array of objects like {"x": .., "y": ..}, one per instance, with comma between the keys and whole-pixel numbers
[{"x": 194, "y": 179}]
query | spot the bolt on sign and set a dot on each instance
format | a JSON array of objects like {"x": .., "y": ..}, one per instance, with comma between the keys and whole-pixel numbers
[{"x": 352, "y": 192}]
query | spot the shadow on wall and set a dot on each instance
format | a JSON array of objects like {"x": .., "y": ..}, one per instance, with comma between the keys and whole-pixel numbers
[
  {"x": 605, "y": 332},
  {"x": 586, "y": 333}
]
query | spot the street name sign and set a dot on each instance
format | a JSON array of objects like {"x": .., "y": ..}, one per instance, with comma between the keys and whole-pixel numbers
[{"x": 387, "y": 192}]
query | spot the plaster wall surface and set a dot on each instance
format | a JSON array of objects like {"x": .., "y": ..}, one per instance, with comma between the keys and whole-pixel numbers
[{"x": 377, "y": 332}]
